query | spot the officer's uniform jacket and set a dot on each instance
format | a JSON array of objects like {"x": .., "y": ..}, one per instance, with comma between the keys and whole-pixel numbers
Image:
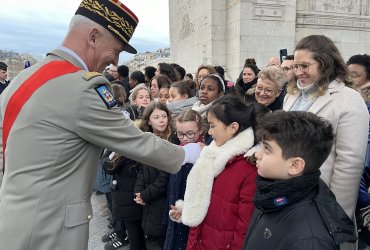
[{"x": 52, "y": 154}]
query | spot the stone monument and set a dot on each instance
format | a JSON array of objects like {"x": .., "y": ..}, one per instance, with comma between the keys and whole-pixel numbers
[{"x": 226, "y": 32}]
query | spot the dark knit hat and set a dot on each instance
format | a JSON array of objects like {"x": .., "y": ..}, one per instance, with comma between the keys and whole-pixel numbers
[
  {"x": 3, "y": 66},
  {"x": 112, "y": 15}
]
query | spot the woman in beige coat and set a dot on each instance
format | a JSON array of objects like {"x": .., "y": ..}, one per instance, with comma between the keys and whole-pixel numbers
[{"x": 322, "y": 86}]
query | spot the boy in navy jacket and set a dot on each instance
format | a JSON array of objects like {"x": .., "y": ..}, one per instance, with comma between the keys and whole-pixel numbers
[{"x": 294, "y": 208}]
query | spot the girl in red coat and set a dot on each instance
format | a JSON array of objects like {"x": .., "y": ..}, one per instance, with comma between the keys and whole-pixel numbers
[{"x": 218, "y": 201}]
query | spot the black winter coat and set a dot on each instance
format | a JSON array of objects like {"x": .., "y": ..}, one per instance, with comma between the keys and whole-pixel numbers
[
  {"x": 151, "y": 183},
  {"x": 304, "y": 225},
  {"x": 123, "y": 205}
]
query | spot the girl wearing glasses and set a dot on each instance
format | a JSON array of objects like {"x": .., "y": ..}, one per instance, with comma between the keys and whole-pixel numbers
[
  {"x": 190, "y": 127},
  {"x": 322, "y": 86},
  {"x": 218, "y": 201}
]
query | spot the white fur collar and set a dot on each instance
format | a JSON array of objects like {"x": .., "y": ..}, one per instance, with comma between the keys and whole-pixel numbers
[{"x": 210, "y": 164}]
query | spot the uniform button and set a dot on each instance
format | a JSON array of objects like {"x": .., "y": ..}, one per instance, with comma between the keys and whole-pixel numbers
[{"x": 89, "y": 217}]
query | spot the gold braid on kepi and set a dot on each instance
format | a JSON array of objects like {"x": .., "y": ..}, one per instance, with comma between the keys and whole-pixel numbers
[{"x": 112, "y": 15}]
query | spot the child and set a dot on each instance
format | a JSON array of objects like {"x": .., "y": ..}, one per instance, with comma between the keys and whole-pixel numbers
[
  {"x": 294, "y": 207},
  {"x": 211, "y": 87},
  {"x": 189, "y": 126},
  {"x": 220, "y": 187},
  {"x": 151, "y": 183},
  {"x": 164, "y": 94},
  {"x": 181, "y": 98},
  {"x": 140, "y": 97},
  {"x": 158, "y": 82}
]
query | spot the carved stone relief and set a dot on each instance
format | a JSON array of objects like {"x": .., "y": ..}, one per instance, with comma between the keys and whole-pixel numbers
[
  {"x": 187, "y": 27},
  {"x": 183, "y": 10},
  {"x": 339, "y": 6},
  {"x": 184, "y": 6},
  {"x": 335, "y": 22},
  {"x": 269, "y": 12}
]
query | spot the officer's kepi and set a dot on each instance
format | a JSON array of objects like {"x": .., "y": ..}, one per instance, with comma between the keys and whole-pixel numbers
[{"x": 112, "y": 15}]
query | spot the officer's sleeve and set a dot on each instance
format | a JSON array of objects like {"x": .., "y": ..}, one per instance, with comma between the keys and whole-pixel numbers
[{"x": 108, "y": 127}]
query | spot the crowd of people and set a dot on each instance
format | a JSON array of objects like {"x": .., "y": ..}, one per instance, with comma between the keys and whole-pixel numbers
[
  {"x": 202, "y": 202},
  {"x": 273, "y": 160}
]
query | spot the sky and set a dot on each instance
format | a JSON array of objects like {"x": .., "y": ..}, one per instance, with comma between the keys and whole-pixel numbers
[{"x": 38, "y": 26}]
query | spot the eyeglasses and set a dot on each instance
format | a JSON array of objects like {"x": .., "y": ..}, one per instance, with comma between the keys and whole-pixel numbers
[
  {"x": 189, "y": 134},
  {"x": 286, "y": 69},
  {"x": 302, "y": 66},
  {"x": 259, "y": 89}
]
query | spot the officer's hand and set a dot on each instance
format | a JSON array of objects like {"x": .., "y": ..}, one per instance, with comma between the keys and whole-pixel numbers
[{"x": 192, "y": 152}]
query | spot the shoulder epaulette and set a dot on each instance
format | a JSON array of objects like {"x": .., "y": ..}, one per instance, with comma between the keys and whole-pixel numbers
[{"x": 88, "y": 76}]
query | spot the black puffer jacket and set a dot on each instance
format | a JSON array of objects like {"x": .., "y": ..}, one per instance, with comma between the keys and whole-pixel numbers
[
  {"x": 123, "y": 205},
  {"x": 151, "y": 183},
  {"x": 315, "y": 222}
]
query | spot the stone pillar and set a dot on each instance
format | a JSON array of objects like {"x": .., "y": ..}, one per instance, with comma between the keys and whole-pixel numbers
[
  {"x": 266, "y": 27},
  {"x": 197, "y": 33},
  {"x": 225, "y": 33}
]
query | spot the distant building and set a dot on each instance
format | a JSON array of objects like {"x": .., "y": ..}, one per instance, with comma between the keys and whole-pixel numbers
[
  {"x": 141, "y": 60},
  {"x": 16, "y": 61}
]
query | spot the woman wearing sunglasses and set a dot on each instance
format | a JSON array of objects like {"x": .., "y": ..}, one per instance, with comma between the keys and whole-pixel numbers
[{"x": 322, "y": 86}]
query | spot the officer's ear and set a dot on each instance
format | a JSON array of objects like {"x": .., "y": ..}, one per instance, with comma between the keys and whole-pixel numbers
[{"x": 94, "y": 36}]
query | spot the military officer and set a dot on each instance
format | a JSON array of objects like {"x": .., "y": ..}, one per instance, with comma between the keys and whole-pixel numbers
[{"x": 56, "y": 117}]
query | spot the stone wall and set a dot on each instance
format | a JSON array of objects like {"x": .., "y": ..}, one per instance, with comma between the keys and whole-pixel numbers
[
  {"x": 225, "y": 33},
  {"x": 346, "y": 22}
]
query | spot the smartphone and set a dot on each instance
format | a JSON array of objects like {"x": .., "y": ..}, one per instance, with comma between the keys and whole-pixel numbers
[{"x": 283, "y": 55}]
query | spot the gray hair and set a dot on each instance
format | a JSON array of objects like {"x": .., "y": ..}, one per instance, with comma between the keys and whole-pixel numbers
[
  {"x": 274, "y": 74},
  {"x": 86, "y": 23}
]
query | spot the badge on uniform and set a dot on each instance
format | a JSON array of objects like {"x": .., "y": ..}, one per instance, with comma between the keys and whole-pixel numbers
[{"x": 106, "y": 96}]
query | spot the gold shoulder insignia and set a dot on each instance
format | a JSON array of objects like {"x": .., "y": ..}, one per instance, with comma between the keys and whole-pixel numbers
[{"x": 91, "y": 75}]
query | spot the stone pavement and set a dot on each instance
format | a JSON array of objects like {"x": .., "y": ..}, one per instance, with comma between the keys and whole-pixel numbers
[{"x": 98, "y": 224}]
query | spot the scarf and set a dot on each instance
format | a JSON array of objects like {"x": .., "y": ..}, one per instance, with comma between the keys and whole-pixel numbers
[
  {"x": 201, "y": 108},
  {"x": 305, "y": 101},
  {"x": 177, "y": 107},
  {"x": 273, "y": 195},
  {"x": 210, "y": 164}
]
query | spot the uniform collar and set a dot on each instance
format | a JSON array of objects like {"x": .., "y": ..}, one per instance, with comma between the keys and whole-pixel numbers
[{"x": 74, "y": 55}]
